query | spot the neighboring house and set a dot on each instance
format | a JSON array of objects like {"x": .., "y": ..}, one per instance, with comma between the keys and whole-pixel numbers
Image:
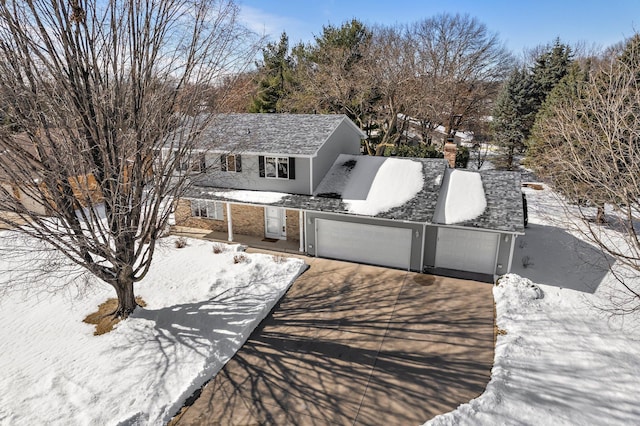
[{"x": 300, "y": 178}]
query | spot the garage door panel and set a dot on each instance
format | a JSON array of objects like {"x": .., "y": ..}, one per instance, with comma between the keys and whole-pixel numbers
[
  {"x": 378, "y": 245},
  {"x": 466, "y": 250}
]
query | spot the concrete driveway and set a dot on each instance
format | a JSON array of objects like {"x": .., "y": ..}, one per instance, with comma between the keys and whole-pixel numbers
[{"x": 352, "y": 344}]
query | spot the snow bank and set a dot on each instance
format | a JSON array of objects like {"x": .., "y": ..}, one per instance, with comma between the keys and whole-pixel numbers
[
  {"x": 563, "y": 360},
  {"x": 462, "y": 197},
  {"x": 558, "y": 363},
  {"x": 201, "y": 307}
]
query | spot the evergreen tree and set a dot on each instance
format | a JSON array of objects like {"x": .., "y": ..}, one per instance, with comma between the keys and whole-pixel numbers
[
  {"x": 333, "y": 75},
  {"x": 566, "y": 92},
  {"x": 513, "y": 116},
  {"x": 550, "y": 67},
  {"x": 275, "y": 77}
]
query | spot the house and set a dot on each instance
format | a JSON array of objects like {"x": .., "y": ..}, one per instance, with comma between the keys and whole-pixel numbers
[{"x": 301, "y": 178}]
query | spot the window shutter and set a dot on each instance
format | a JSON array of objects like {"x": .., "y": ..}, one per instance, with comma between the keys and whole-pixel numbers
[
  {"x": 261, "y": 165},
  {"x": 292, "y": 168},
  {"x": 223, "y": 163},
  {"x": 238, "y": 163}
]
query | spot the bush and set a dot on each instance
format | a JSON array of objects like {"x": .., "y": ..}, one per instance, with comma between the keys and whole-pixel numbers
[
  {"x": 462, "y": 157},
  {"x": 181, "y": 242},
  {"x": 217, "y": 248},
  {"x": 419, "y": 151},
  {"x": 240, "y": 258}
]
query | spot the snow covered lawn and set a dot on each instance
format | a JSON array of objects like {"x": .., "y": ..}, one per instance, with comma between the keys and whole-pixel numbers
[
  {"x": 201, "y": 307},
  {"x": 563, "y": 359}
]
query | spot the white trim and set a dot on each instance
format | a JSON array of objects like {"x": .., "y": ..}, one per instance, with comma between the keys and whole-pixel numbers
[
  {"x": 277, "y": 162},
  {"x": 229, "y": 223}
]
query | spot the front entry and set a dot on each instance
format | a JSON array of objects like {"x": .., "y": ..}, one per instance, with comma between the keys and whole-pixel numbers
[{"x": 275, "y": 223}]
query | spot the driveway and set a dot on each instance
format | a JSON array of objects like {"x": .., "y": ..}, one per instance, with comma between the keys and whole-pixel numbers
[{"x": 352, "y": 344}]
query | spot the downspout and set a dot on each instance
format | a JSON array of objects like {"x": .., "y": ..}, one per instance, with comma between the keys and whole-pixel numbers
[
  {"x": 311, "y": 175},
  {"x": 229, "y": 223},
  {"x": 301, "y": 230},
  {"x": 424, "y": 231},
  {"x": 513, "y": 245}
]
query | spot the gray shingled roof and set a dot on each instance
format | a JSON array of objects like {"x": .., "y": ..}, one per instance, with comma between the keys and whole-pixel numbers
[
  {"x": 290, "y": 134},
  {"x": 502, "y": 192},
  {"x": 504, "y": 202}
]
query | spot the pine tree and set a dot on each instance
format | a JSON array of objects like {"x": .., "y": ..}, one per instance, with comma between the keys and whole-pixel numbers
[
  {"x": 550, "y": 67},
  {"x": 513, "y": 116},
  {"x": 275, "y": 77},
  {"x": 567, "y": 91}
]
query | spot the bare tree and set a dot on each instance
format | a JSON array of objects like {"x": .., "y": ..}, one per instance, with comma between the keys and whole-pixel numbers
[
  {"x": 459, "y": 65},
  {"x": 98, "y": 89},
  {"x": 389, "y": 72},
  {"x": 441, "y": 71},
  {"x": 588, "y": 140}
]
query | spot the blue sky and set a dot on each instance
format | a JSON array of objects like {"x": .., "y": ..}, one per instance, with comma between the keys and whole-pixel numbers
[{"x": 519, "y": 23}]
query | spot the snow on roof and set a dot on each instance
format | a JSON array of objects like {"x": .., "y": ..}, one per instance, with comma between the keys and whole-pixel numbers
[
  {"x": 261, "y": 197},
  {"x": 462, "y": 197},
  {"x": 372, "y": 185}
]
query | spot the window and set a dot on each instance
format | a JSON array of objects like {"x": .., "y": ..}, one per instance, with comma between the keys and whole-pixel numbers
[
  {"x": 199, "y": 164},
  {"x": 207, "y": 209},
  {"x": 231, "y": 163},
  {"x": 277, "y": 167},
  {"x": 189, "y": 164}
]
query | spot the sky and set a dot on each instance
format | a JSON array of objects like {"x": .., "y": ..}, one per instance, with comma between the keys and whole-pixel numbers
[{"x": 520, "y": 24}]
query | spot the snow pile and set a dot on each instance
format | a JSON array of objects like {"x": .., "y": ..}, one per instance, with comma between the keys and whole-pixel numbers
[
  {"x": 560, "y": 357},
  {"x": 372, "y": 185},
  {"x": 201, "y": 307},
  {"x": 462, "y": 197},
  {"x": 558, "y": 363},
  {"x": 260, "y": 197}
]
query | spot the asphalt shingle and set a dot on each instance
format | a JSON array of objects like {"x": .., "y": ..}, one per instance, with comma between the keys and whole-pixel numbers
[
  {"x": 285, "y": 134},
  {"x": 502, "y": 190}
]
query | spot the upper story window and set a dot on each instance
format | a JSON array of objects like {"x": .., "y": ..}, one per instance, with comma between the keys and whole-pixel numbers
[
  {"x": 277, "y": 167},
  {"x": 231, "y": 163},
  {"x": 199, "y": 164},
  {"x": 186, "y": 164}
]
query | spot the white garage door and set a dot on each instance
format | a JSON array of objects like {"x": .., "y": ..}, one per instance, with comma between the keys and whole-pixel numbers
[
  {"x": 377, "y": 245},
  {"x": 464, "y": 250}
]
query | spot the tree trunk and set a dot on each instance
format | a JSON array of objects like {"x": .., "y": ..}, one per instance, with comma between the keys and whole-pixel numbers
[
  {"x": 600, "y": 218},
  {"x": 124, "y": 290}
]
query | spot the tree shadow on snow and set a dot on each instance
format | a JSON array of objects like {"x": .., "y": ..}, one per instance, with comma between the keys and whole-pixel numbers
[
  {"x": 552, "y": 256},
  {"x": 376, "y": 349}
]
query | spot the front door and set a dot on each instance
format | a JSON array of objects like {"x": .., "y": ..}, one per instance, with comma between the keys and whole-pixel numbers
[{"x": 275, "y": 223}]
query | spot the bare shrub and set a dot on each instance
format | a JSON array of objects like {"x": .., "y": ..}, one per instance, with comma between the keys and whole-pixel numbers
[
  {"x": 240, "y": 258},
  {"x": 181, "y": 242}
]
